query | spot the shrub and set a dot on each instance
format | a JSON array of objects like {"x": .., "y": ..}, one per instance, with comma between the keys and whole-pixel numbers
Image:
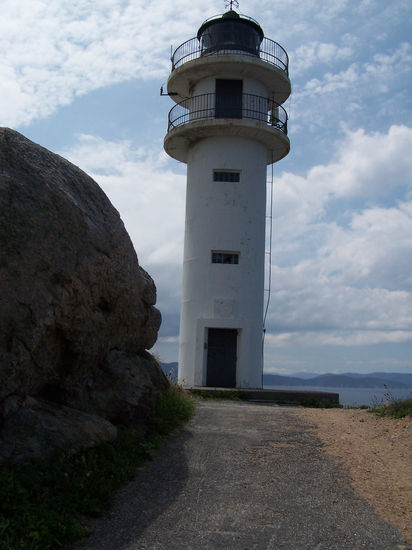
[
  {"x": 399, "y": 408},
  {"x": 173, "y": 408},
  {"x": 395, "y": 408}
]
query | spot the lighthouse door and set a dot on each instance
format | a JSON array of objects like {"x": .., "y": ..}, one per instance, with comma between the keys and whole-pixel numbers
[
  {"x": 228, "y": 98},
  {"x": 221, "y": 358}
]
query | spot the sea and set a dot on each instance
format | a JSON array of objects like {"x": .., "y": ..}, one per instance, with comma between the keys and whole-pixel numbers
[{"x": 355, "y": 397}]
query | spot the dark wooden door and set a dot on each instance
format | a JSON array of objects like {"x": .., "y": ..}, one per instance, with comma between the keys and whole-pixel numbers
[
  {"x": 228, "y": 98},
  {"x": 221, "y": 358}
]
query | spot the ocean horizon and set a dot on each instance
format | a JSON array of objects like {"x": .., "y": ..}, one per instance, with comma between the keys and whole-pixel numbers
[{"x": 355, "y": 397}]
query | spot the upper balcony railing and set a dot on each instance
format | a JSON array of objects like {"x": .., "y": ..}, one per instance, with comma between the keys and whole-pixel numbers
[
  {"x": 211, "y": 106},
  {"x": 269, "y": 51}
]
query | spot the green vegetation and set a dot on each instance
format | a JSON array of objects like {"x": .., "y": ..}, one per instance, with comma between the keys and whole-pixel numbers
[
  {"x": 231, "y": 395},
  {"x": 395, "y": 408},
  {"x": 173, "y": 408},
  {"x": 45, "y": 505},
  {"x": 318, "y": 403}
]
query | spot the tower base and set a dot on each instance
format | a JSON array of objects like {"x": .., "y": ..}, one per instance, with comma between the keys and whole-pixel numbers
[{"x": 304, "y": 398}]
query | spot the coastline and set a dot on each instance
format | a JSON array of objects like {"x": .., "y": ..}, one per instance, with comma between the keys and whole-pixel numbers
[{"x": 354, "y": 397}]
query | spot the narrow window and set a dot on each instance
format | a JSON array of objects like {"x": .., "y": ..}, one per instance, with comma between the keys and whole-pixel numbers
[
  {"x": 219, "y": 257},
  {"x": 226, "y": 175}
]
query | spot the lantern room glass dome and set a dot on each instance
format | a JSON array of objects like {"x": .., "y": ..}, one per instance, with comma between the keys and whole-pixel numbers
[{"x": 230, "y": 32}]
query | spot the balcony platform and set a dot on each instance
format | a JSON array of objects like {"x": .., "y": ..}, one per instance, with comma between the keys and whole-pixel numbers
[
  {"x": 183, "y": 77},
  {"x": 179, "y": 139}
]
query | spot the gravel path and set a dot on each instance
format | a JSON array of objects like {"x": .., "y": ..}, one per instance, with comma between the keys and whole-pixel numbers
[{"x": 245, "y": 477}]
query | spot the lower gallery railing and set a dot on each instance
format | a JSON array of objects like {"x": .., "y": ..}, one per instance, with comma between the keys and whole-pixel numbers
[{"x": 212, "y": 106}]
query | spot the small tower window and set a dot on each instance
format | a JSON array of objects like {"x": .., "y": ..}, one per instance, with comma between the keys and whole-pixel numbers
[
  {"x": 226, "y": 175},
  {"x": 219, "y": 257}
]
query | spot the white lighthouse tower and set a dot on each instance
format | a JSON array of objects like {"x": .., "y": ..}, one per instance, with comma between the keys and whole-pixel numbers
[{"x": 228, "y": 124}]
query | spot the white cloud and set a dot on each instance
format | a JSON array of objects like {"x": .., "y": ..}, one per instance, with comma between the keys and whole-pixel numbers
[
  {"x": 376, "y": 86},
  {"x": 55, "y": 51},
  {"x": 338, "y": 338},
  {"x": 149, "y": 196},
  {"x": 308, "y": 55},
  {"x": 331, "y": 83},
  {"x": 348, "y": 277},
  {"x": 375, "y": 250},
  {"x": 367, "y": 166},
  {"x": 307, "y": 297},
  {"x": 169, "y": 340},
  {"x": 384, "y": 65}
]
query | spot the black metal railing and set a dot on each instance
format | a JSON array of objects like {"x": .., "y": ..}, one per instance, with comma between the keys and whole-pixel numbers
[
  {"x": 269, "y": 51},
  {"x": 210, "y": 106}
]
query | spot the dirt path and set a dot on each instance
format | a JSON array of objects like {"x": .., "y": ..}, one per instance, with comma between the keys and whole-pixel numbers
[{"x": 377, "y": 453}]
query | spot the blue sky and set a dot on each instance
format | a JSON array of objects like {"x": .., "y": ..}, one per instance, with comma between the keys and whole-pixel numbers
[{"x": 82, "y": 78}]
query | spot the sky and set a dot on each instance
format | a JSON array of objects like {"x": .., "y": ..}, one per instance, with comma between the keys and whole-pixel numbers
[{"x": 82, "y": 78}]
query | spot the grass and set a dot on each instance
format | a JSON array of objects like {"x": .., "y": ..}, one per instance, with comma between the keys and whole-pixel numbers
[
  {"x": 231, "y": 395},
  {"x": 394, "y": 408},
  {"x": 173, "y": 408},
  {"x": 318, "y": 403},
  {"x": 45, "y": 506}
]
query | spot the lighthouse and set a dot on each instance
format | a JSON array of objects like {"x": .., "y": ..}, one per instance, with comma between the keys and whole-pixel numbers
[{"x": 228, "y": 125}]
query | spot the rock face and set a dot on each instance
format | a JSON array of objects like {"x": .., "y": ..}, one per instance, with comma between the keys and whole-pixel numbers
[
  {"x": 32, "y": 428},
  {"x": 76, "y": 309}
]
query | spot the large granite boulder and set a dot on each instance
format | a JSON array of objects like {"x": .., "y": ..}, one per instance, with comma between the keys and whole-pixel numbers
[{"x": 76, "y": 309}]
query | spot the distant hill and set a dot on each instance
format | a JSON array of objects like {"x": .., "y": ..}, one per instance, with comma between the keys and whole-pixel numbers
[
  {"x": 349, "y": 380},
  {"x": 305, "y": 375},
  {"x": 392, "y": 380},
  {"x": 403, "y": 377}
]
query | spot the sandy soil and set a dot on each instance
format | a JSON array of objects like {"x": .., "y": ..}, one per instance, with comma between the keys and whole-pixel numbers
[{"x": 377, "y": 452}]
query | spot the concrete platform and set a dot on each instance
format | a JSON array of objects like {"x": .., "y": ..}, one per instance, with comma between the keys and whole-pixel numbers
[{"x": 306, "y": 398}]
